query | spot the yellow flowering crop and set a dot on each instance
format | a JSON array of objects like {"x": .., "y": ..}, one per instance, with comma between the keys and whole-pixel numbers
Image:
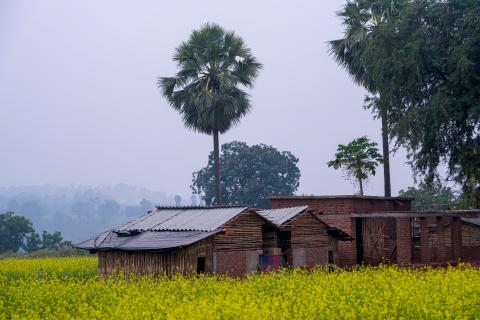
[{"x": 68, "y": 288}]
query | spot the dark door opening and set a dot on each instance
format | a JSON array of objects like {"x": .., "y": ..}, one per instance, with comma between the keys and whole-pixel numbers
[
  {"x": 200, "y": 265},
  {"x": 331, "y": 259},
  {"x": 284, "y": 240},
  {"x": 359, "y": 239}
]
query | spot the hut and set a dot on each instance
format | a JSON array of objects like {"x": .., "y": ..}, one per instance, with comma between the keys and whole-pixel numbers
[
  {"x": 185, "y": 240},
  {"x": 300, "y": 237}
]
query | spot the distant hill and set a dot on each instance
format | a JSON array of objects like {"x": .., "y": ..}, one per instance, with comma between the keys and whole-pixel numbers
[{"x": 80, "y": 211}]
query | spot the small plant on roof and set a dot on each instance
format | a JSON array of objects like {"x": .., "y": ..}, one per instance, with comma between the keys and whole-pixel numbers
[{"x": 358, "y": 160}]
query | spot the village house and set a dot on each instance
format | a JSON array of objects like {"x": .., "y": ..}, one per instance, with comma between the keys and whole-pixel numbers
[{"x": 185, "y": 240}]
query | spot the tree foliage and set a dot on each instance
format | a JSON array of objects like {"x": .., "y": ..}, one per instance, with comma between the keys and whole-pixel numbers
[
  {"x": 16, "y": 232},
  {"x": 13, "y": 230},
  {"x": 430, "y": 196},
  {"x": 428, "y": 69},
  {"x": 358, "y": 159},
  {"x": 251, "y": 174},
  {"x": 361, "y": 19},
  {"x": 214, "y": 67}
]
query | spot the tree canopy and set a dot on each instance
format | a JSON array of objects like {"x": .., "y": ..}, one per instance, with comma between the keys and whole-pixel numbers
[
  {"x": 16, "y": 232},
  {"x": 430, "y": 196},
  {"x": 214, "y": 67},
  {"x": 428, "y": 70},
  {"x": 13, "y": 230},
  {"x": 251, "y": 174},
  {"x": 361, "y": 19},
  {"x": 358, "y": 159}
]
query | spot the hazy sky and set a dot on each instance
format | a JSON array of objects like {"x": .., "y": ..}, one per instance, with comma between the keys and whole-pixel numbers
[{"x": 79, "y": 103}]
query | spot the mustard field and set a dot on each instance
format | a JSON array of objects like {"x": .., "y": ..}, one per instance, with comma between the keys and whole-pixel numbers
[{"x": 68, "y": 288}]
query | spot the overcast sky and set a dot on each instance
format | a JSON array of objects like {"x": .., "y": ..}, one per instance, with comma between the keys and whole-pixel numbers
[{"x": 79, "y": 103}]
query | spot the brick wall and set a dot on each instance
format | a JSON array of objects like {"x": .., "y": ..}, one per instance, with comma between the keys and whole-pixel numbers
[
  {"x": 232, "y": 263},
  {"x": 404, "y": 240},
  {"x": 471, "y": 242},
  {"x": 347, "y": 255},
  {"x": 316, "y": 256}
]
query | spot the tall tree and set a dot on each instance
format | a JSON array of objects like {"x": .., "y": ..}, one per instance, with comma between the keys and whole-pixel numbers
[
  {"x": 360, "y": 18},
  {"x": 214, "y": 68},
  {"x": 430, "y": 75},
  {"x": 251, "y": 175},
  {"x": 358, "y": 159},
  {"x": 13, "y": 230}
]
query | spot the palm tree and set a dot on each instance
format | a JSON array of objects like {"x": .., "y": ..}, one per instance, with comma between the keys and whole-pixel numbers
[
  {"x": 214, "y": 67},
  {"x": 361, "y": 18}
]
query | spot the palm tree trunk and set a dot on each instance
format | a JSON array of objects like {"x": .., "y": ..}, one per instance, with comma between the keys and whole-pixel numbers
[
  {"x": 216, "y": 152},
  {"x": 386, "y": 157},
  {"x": 360, "y": 183}
]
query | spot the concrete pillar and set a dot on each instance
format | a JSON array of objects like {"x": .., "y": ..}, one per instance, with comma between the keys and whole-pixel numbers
[
  {"x": 456, "y": 238},
  {"x": 404, "y": 240},
  {"x": 425, "y": 253},
  {"x": 441, "y": 249}
]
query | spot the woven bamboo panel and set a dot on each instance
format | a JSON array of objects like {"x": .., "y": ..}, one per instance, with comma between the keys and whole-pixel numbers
[
  {"x": 307, "y": 231},
  {"x": 182, "y": 261},
  {"x": 244, "y": 232}
]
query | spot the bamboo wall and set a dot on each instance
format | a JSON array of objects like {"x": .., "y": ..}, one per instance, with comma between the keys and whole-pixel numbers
[
  {"x": 310, "y": 241},
  {"x": 243, "y": 233},
  {"x": 307, "y": 231},
  {"x": 182, "y": 261}
]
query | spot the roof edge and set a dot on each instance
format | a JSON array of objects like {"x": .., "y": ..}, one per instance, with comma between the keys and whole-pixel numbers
[
  {"x": 199, "y": 207},
  {"x": 343, "y": 197}
]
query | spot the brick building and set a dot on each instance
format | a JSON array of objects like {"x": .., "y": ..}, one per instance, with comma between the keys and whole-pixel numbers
[{"x": 386, "y": 230}]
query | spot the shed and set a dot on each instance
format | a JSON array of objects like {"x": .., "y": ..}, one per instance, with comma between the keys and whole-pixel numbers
[
  {"x": 185, "y": 240},
  {"x": 301, "y": 237}
]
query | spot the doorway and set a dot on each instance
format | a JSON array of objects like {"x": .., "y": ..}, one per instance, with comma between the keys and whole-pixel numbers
[{"x": 200, "y": 265}]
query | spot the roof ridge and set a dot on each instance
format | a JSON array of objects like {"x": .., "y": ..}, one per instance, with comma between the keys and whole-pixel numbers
[{"x": 199, "y": 207}]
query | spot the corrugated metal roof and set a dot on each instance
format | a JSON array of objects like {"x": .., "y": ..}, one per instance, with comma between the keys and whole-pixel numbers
[
  {"x": 148, "y": 240},
  {"x": 475, "y": 221},
  {"x": 184, "y": 219},
  {"x": 280, "y": 216}
]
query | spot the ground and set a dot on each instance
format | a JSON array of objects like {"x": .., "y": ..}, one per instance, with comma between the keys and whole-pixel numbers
[{"x": 67, "y": 288}]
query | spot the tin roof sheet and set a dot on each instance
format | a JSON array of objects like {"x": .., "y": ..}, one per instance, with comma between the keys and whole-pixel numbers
[
  {"x": 148, "y": 240},
  {"x": 184, "y": 219},
  {"x": 280, "y": 216},
  {"x": 475, "y": 221}
]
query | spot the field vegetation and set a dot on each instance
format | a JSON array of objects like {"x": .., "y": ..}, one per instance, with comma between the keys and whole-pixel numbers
[{"x": 69, "y": 288}]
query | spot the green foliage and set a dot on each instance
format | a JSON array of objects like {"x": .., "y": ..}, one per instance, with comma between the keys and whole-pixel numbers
[
  {"x": 358, "y": 159},
  {"x": 213, "y": 66},
  {"x": 430, "y": 197},
  {"x": 426, "y": 65},
  {"x": 16, "y": 232},
  {"x": 361, "y": 19},
  {"x": 251, "y": 174},
  {"x": 13, "y": 230},
  {"x": 208, "y": 90}
]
